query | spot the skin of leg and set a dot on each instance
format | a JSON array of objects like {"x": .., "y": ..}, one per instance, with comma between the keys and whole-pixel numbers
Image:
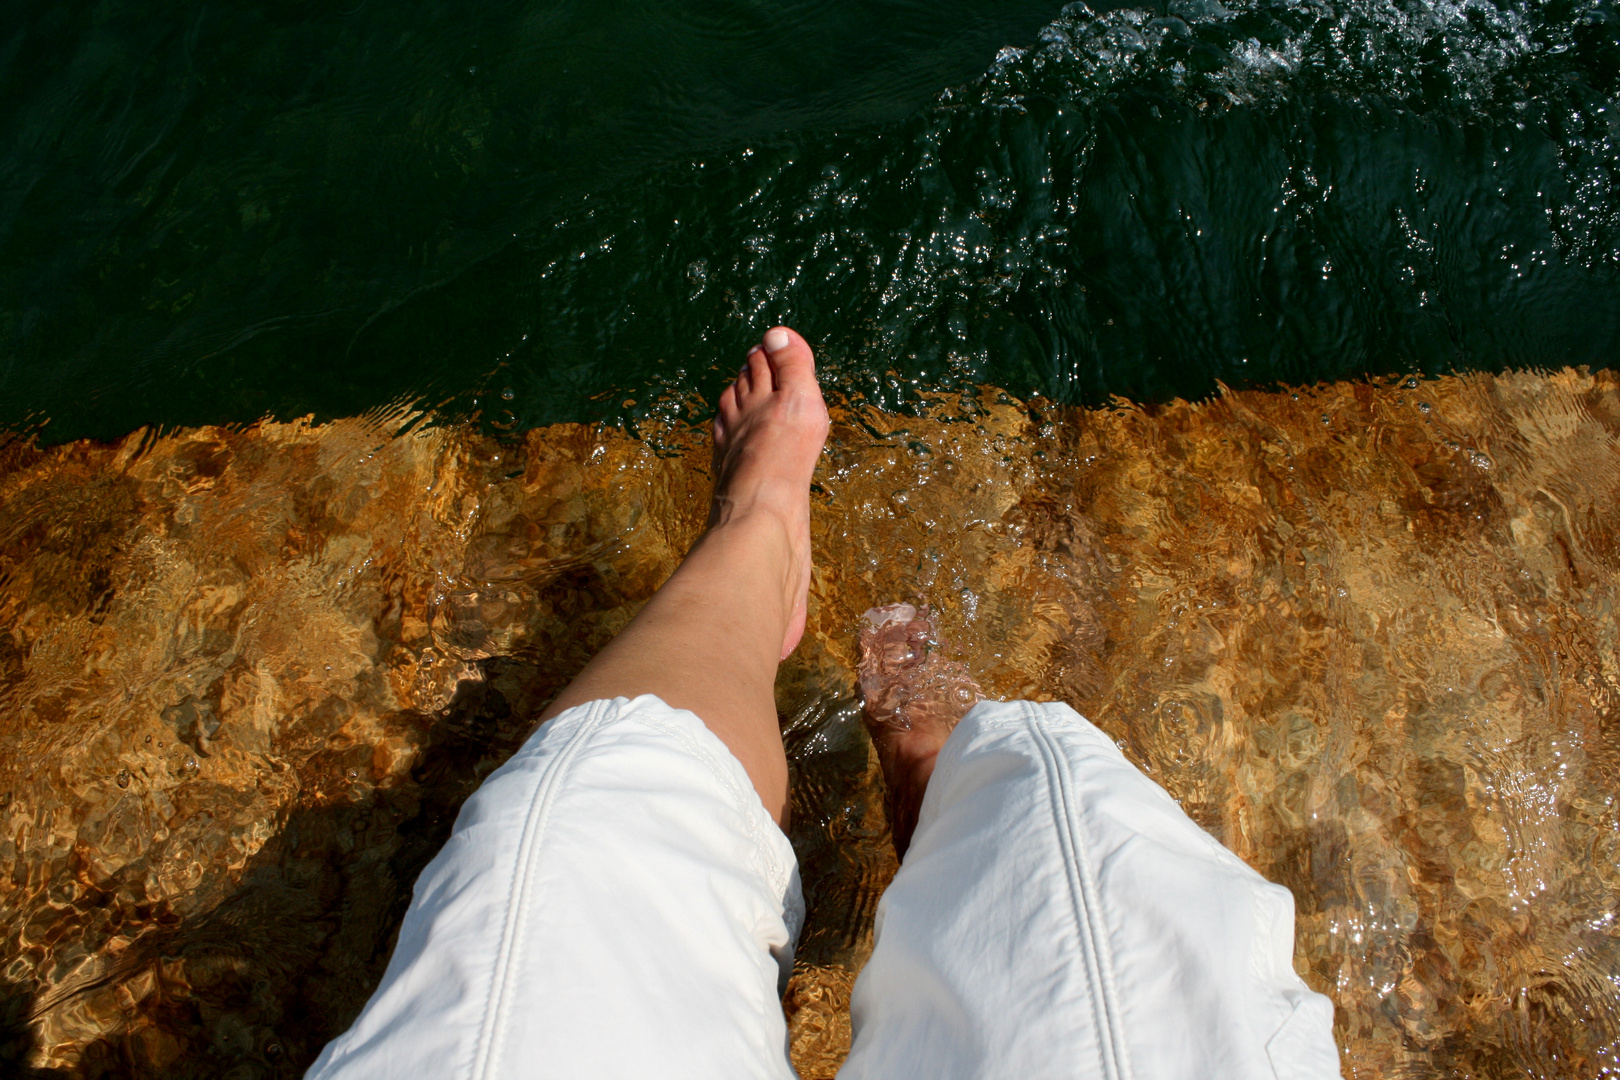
[
  {"x": 912, "y": 698},
  {"x": 711, "y": 637}
]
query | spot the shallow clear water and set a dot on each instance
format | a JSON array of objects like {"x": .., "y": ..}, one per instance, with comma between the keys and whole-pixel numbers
[{"x": 1366, "y": 635}]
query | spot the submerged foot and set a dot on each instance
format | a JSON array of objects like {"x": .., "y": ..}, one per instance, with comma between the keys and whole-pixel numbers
[
  {"x": 769, "y": 432},
  {"x": 911, "y": 699}
]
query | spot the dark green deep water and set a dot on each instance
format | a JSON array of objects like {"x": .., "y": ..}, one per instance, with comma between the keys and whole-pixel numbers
[{"x": 541, "y": 211}]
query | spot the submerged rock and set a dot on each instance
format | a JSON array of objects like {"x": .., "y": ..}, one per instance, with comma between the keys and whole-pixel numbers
[{"x": 1365, "y": 634}]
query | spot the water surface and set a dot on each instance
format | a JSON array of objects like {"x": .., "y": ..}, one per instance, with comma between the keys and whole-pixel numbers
[
  {"x": 1366, "y": 635},
  {"x": 542, "y": 213}
]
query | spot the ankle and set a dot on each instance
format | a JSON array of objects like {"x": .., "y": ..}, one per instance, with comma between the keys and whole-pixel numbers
[
  {"x": 907, "y": 764},
  {"x": 905, "y": 781},
  {"x": 767, "y": 528},
  {"x": 772, "y": 500}
]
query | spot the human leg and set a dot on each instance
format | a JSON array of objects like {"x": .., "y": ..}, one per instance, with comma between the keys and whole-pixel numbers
[
  {"x": 616, "y": 900},
  {"x": 912, "y": 697},
  {"x": 1057, "y": 914},
  {"x": 711, "y": 638}
]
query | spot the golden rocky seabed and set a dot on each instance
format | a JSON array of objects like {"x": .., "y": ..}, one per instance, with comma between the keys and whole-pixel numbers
[{"x": 1365, "y": 634}]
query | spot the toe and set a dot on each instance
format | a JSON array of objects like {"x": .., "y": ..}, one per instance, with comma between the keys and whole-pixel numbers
[
  {"x": 732, "y": 400},
  {"x": 791, "y": 361},
  {"x": 755, "y": 378}
]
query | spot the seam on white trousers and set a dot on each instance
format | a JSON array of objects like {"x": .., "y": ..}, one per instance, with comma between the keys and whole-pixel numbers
[
  {"x": 1082, "y": 888},
  {"x": 486, "y": 1053}
]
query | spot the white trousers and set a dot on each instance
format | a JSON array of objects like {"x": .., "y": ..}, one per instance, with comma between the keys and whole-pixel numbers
[{"x": 615, "y": 902}]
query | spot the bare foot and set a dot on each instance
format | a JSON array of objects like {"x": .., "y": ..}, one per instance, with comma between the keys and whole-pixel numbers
[
  {"x": 912, "y": 699},
  {"x": 769, "y": 432}
]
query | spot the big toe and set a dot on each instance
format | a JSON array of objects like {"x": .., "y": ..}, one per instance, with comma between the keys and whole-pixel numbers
[{"x": 793, "y": 364}]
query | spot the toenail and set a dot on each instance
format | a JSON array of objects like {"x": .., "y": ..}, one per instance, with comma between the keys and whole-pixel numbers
[{"x": 776, "y": 340}]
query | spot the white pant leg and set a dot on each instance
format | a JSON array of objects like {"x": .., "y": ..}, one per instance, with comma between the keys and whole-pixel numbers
[
  {"x": 614, "y": 901},
  {"x": 1058, "y": 915}
]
